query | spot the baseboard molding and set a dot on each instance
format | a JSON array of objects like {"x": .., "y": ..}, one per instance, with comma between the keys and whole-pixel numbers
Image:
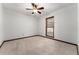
[
  {"x": 1, "y": 43},
  {"x": 78, "y": 48},
  {"x": 40, "y": 36},
  {"x": 64, "y": 42},
  {"x": 20, "y": 38},
  {"x": 59, "y": 40}
]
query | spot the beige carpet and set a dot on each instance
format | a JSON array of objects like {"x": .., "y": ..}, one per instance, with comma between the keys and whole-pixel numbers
[{"x": 37, "y": 46}]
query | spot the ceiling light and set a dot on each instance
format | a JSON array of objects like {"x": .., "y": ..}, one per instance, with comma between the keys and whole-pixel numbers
[{"x": 35, "y": 10}]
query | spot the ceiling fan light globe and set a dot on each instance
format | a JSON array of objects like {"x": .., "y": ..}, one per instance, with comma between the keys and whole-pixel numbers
[{"x": 35, "y": 11}]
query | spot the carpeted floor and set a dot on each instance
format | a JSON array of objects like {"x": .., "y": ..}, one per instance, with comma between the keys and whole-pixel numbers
[{"x": 37, "y": 46}]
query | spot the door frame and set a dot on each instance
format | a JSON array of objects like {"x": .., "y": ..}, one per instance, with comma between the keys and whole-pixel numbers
[{"x": 46, "y": 25}]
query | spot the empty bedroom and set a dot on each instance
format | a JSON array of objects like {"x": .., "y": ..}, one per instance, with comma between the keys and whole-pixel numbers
[{"x": 38, "y": 29}]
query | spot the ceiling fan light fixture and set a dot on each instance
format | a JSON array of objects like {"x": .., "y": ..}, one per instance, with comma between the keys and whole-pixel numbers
[{"x": 35, "y": 10}]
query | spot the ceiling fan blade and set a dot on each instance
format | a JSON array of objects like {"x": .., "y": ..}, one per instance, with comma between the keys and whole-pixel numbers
[
  {"x": 34, "y": 5},
  {"x": 40, "y": 8},
  {"x": 28, "y": 9},
  {"x": 39, "y": 12},
  {"x": 32, "y": 12}
]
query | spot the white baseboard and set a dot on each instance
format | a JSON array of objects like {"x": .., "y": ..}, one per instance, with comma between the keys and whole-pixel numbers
[{"x": 1, "y": 41}]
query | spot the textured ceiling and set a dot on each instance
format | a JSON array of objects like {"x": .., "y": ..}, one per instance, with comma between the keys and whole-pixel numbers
[{"x": 48, "y": 7}]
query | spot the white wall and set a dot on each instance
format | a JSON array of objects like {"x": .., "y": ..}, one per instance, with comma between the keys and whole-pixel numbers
[
  {"x": 65, "y": 24},
  {"x": 78, "y": 27},
  {"x": 18, "y": 25},
  {"x": 1, "y": 25}
]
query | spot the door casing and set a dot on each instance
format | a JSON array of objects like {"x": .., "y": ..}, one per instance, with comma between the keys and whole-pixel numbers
[{"x": 46, "y": 26}]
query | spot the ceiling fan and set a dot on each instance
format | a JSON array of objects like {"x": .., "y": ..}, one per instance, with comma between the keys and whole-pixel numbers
[{"x": 35, "y": 8}]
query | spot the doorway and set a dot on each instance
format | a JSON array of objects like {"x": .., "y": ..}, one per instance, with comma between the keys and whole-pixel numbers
[{"x": 50, "y": 27}]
